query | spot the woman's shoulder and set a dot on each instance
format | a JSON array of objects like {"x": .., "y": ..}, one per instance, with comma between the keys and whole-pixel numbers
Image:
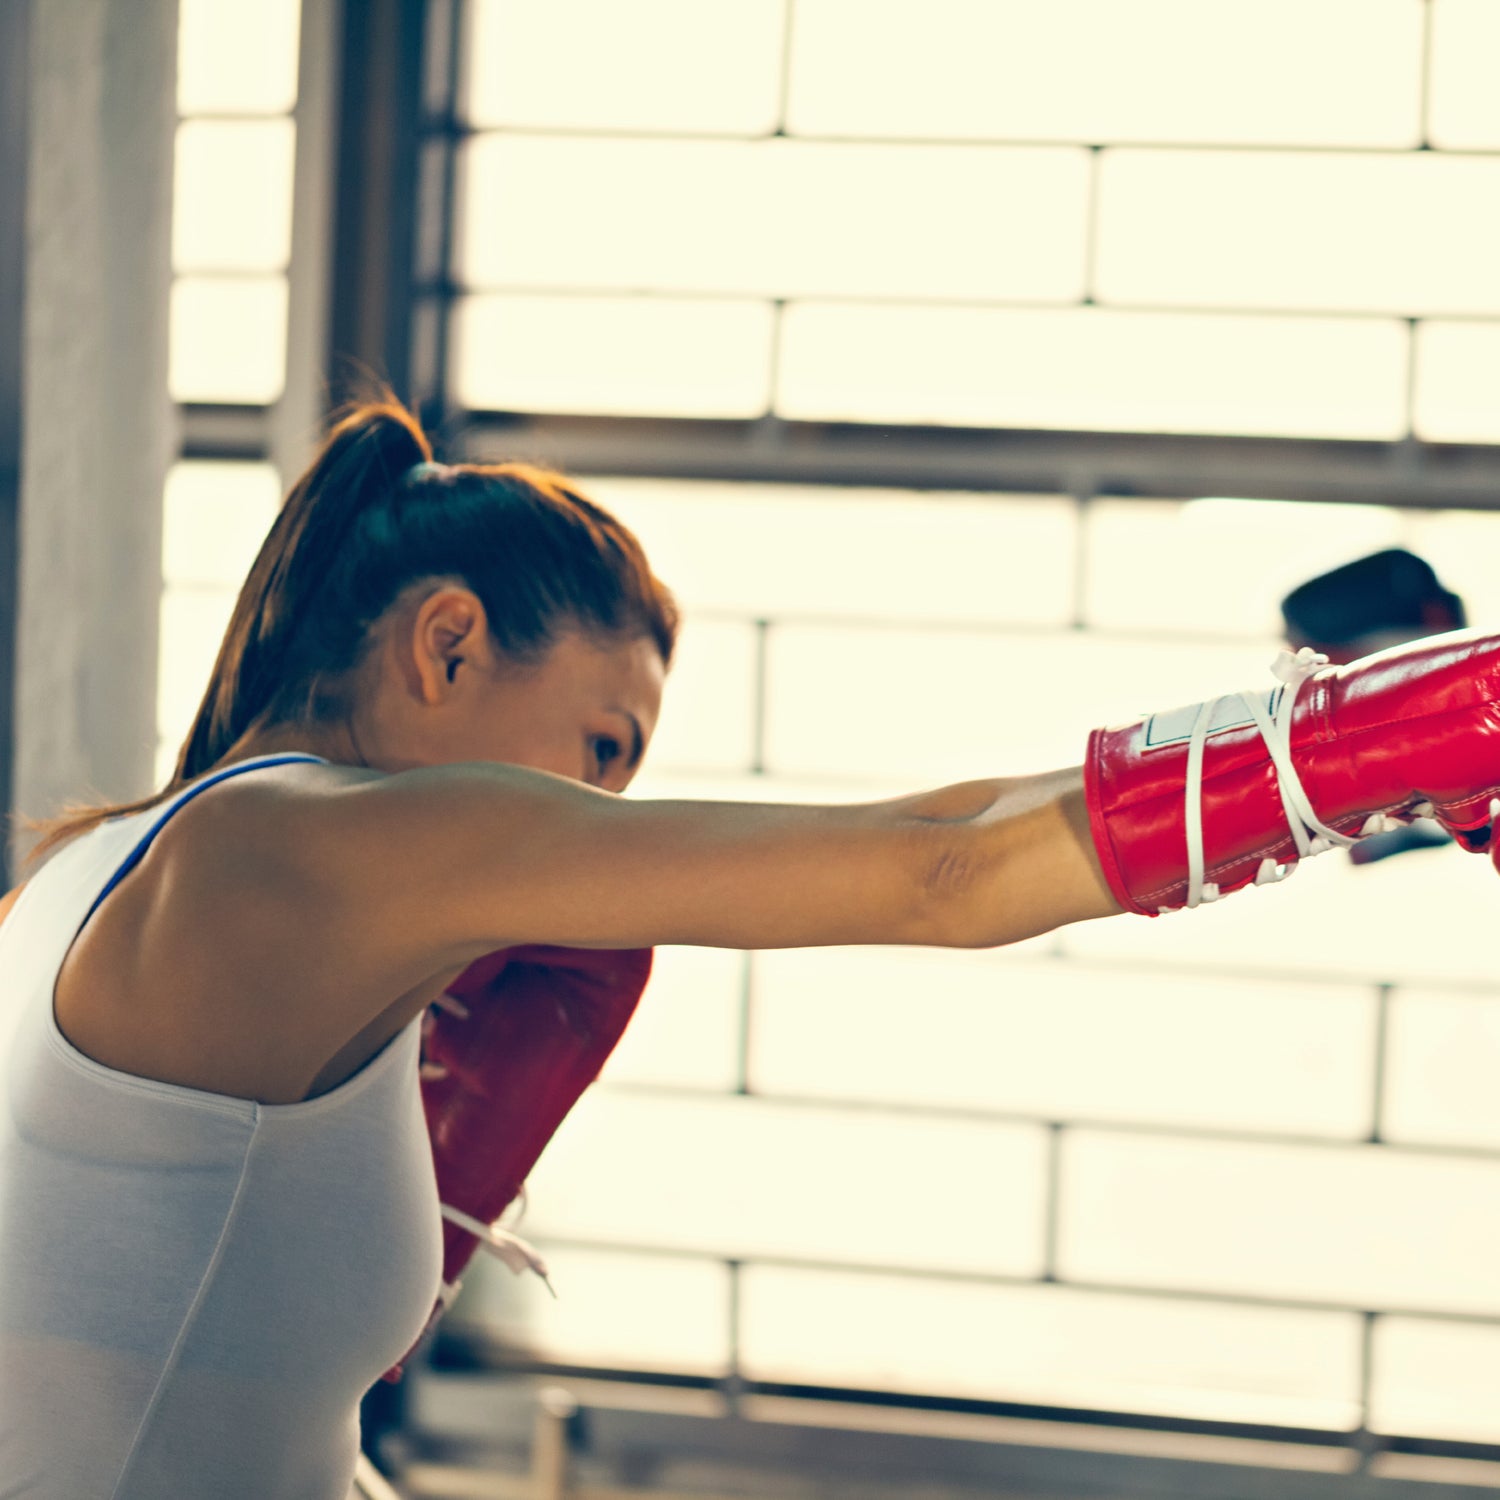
[
  {"x": 215, "y": 942},
  {"x": 266, "y": 807},
  {"x": 256, "y": 842},
  {"x": 274, "y": 779}
]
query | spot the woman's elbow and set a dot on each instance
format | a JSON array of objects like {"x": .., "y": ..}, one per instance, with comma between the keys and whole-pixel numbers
[
  {"x": 950, "y": 898},
  {"x": 985, "y": 882}
]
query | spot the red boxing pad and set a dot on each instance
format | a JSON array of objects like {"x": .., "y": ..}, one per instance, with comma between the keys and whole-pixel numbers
[
  {"x": 1333, "y": 755},
  {"x": 540, "y": 1024}
]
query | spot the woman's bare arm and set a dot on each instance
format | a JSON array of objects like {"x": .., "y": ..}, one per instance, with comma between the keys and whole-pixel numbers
[{"x": 428, "y": 869}]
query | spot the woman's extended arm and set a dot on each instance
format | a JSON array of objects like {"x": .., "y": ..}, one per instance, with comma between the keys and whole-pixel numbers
[
  {"x": 423, "y": 871},
  {"x": 440, "y": 865}
]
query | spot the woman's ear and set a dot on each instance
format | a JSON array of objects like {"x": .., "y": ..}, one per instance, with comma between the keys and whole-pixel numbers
[{"x": 448, "y": 627}]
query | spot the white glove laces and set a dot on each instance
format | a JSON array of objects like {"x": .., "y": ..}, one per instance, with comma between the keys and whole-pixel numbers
[
  {"x": 1310, "y": 835},
  {"x": 501, "y": 1243}
]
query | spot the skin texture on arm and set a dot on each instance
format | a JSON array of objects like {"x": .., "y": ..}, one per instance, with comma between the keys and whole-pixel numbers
[
  {"x": 968, "y": 843},
  {"x": 431, "y": 868}
]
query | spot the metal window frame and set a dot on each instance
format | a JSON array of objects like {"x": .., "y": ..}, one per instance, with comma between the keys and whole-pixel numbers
[
  {"x": 1084, "y": 465},
  {"x": 627, "y": 1431}
]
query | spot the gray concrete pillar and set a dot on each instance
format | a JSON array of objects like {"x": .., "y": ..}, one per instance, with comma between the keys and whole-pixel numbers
[
  {"x": 15, "y": 19},
  {"x": 99, "y": 429}
]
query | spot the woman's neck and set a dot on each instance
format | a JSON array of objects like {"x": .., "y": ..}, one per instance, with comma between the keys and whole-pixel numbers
[{"x": 332, "y": 742}]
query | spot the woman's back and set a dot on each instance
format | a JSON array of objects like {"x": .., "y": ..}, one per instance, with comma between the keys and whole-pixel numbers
[{"x": 198, "y": 1288}]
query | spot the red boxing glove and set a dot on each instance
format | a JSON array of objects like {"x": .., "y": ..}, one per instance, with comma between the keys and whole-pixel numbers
[
  {"x": 520, "y": 1035},
  {"x": 1189, "y": 805}
]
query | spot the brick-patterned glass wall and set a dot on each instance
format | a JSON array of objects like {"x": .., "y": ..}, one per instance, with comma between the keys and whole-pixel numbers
[
  {"x": 1275, "y": 217},
  {"x": 1239, "y": 1164},
  {"x": 231, "y": 247},
  {"x": 1170, "y": 1166}
]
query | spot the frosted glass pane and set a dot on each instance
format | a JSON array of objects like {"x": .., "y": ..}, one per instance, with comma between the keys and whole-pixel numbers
[
  {"x": 1439, "y": 1380},
  {"x": 193, "y": 622},
  {"x": 1366, "y": 926},
  {"x": 1463, "y": 111},
  {"x": 743, "y": 1177},
  {"x": 228, "y": 339},
  {"x": 642, "y": 1312},
  {"x": 166, "y": 760},
  {"x": 1063, "y": 1041},
  {"x": 232, "y": 197},
  {"x": 708, "y": 709},
  {"x": 1444, "y": 1058},
  {"x": 1099, "y": 70},
  {"x": 1088, "y": 368},
  {"x": 1162, "y": 565},
  {"x": 1457, "y": 398},
  {"x": 686, "y": 1031},
  {"x": 234, "y": 58},
  {"x": 1461, "y": 546},
  {"x": 1357, "y": 1226},
  {"x": 1050, "y": 1346},
  {"x": 1415, "y": 233},
  {"x": 946, "y": 704},
  {"x": 640, "y": 356},
  {"x": 650, "y": 65},
  {"x": 774, "y": 550},
  {"x": 775, "y": 218},
  {"x": 216, "y": 516}
]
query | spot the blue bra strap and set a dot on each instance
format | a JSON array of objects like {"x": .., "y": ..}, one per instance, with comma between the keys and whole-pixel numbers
[{"x": 139, "y": 852}]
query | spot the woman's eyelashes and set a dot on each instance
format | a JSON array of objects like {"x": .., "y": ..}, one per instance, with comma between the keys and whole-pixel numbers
[{"x": 606, "y": 752}]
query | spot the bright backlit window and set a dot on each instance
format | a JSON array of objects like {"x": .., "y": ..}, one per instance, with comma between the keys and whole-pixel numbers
[
  {"x": 1094, "y": 216},
  {"x": 860, "y": 1167},
  {"x": 1095, "y": 221},
  {"x": 232, "y": 202},
  {"x": 216, "y": 515},
  {"x": 1109, "y": 71},
  {"x": 231, "y": 245}
]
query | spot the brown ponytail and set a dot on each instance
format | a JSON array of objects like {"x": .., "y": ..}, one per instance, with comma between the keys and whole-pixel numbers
[{"x": 361, "y": 524}]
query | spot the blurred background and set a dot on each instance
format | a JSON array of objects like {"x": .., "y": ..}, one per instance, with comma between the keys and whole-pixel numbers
[{"x": 977, "y": 372}]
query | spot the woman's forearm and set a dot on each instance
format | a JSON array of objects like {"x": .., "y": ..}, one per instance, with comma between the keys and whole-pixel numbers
[{"x": 1014, "y": 859}]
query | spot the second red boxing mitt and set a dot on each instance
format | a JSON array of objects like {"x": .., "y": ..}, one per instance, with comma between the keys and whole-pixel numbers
[{"x": 519, "y": 1036}]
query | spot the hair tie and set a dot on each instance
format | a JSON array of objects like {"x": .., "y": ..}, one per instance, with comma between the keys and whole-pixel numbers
[{"x": 423, "y": 470}]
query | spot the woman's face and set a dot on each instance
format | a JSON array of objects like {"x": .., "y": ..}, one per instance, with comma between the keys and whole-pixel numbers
[{"x": 587, "y": 710}]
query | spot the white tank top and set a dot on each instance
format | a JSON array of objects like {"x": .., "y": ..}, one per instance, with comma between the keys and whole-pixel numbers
[{"x": 195, "y": 1289}]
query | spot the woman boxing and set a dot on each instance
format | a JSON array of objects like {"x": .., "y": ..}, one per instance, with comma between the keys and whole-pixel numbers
[{"x": 218, "y": 1215}]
